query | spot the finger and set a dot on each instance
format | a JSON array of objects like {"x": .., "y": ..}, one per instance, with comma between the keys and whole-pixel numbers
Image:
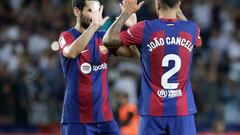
[
  {"x": 105, "y": 19},
  {"x": 124, "y": 2},
  {"x": 140, "y": 5},
  {"x": 121, "y": 6},
  {"x": 101, "y": 9}
]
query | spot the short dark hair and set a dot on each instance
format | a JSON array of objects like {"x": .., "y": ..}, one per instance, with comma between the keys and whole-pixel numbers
[
  {"x": 80, "y": 4},
  {"x": 169, "y": 3}
]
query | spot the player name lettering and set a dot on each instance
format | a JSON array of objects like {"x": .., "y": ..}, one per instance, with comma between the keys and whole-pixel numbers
[{"x": 157, "y": 42}]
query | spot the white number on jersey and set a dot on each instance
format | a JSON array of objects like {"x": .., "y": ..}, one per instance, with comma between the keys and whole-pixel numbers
[{"x": 171, "y": 72}]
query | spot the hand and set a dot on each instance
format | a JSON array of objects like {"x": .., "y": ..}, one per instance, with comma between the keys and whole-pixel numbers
[
  {"x": 131, "y": 6},
  {"x": 131, "y": 20},
  {"x": 97, "y": 18}
]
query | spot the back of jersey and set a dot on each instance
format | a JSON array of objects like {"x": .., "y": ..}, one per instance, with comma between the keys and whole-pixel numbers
[{"x": 166, "y": 49}]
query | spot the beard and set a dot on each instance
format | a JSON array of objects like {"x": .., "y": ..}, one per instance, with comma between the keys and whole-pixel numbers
[{"x": 85, "y": 21}]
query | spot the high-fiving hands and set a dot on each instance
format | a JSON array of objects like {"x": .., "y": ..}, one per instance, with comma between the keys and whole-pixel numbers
[
  {"x": 131, "y": 6},
  {"x": 131, "y": 20},
  {"x": 97, "y": 18},
  {"x": 112, "y": 38}
]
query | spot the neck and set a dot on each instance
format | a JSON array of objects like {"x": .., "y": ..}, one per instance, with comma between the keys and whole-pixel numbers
[
  {"x": 79, "y": 27},
  {"x": 169, "y": 13}
]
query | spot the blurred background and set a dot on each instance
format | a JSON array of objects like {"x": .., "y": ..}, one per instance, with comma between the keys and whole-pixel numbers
[{"x": 32, "y": 84}]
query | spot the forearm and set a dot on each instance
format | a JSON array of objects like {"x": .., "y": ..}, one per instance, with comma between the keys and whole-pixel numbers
[
  {"x": 80, "y": 43},
  {"x": 111, "y": 38},
  {"x": 135, "y": 52},
  {"x": 130, "y": 52}
]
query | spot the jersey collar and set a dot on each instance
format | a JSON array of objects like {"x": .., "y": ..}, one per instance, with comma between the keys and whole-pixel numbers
[{"x": 169, "y": 19}]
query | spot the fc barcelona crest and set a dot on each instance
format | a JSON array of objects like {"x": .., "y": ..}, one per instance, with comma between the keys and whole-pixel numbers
[{"x": 103, "y": 49}]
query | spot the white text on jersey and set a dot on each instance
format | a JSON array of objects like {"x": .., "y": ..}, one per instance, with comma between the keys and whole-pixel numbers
[{"x": 157, "y": 42}]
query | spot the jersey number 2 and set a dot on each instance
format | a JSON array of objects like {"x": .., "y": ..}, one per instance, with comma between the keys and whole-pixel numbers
[{"x": 171, "y": 72}]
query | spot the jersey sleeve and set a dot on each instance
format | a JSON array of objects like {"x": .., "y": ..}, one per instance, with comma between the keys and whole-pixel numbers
[
  {"x": 133, "y": 36},
  {"x": 65, "y": 40},
  {"x": 198, "y": 41}
]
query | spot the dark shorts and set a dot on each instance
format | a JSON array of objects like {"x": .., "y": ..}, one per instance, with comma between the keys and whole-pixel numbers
[
  {"x": 101, "y": 128},
  {"x": 155, "y": 125}
]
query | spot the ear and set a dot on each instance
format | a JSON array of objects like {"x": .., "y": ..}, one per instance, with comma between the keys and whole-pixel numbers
[
  {"x": 158, "y": 5},
  {"x": 76, "y": 11}
]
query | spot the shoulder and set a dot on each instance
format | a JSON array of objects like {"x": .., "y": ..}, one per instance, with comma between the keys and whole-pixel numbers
[
  {"x": 65, "y": 39},
  {"x": 151, "y": 21},
  {"x": 65, "y": 36},
  {"x": 66, "y": 33},
  {"x": 154, "y": 24},
  {"x": 190, "y": 23},
  {"x": 138, "y": 26},
  {"x": 68, "y": 30}
]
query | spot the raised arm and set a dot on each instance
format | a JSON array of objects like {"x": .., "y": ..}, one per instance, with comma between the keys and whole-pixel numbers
[
  {"x": 76, "y": 47},
  {"x": 111, "y": 38},
  {"x": 131, "y": 51}
]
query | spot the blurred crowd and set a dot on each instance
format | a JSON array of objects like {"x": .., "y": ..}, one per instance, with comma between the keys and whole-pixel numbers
[{"x": 32, "y": 83}]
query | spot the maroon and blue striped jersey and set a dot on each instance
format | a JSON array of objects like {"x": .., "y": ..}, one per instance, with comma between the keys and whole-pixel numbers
[
  {"x": 166, "y": 48},
  {"x": 86, "y": 97}
]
